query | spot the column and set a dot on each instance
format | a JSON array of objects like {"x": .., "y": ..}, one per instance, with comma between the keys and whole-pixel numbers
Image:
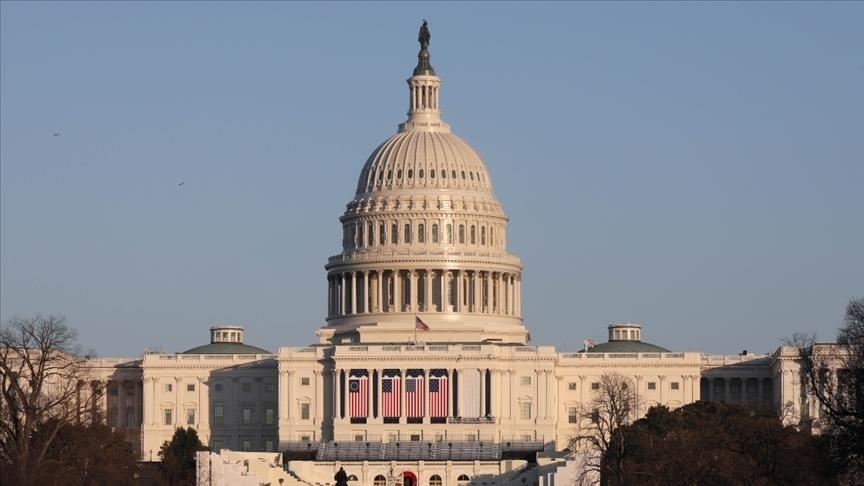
[
  {"x": 353, "y": 292},
  {"x": 402, "y": 406},
  {"x": 121, "y": 405},
  {"x": 478, "y": 294},
  {"x": 284, "y": 395},
  {"x": 203, "y": 417},
  {"x": 343, "y": 308},
  {"x": 426, "y": 377},
  {"x": 372, "y": 386},
  {"x": 412, "y": 275}
]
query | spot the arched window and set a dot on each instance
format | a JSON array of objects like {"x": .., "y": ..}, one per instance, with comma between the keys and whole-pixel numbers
[
  {"x": 371, "y": 234},
  {"x": 473, "y": 235},
  {"x": 352, "y": 478},
  {"x": 463, "y": 478},
  {"x": 491, "y": 236},
  {"x": 434, "y": 232},
  {"x": 483, "y": 235},
  {"x": 407, "y": 237},
  {"x": 382, "y": 234},
  {"x": 360, "y": 238},
  {"x": 448, "y": 234},
  {"x": 435, "y": 480},
  {"x": 379, "y": 480},
  {"x": 394, "y": 233},
  {"x": 421, "y": 233}
]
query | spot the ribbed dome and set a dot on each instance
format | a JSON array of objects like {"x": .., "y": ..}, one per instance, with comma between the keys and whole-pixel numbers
[{"x": 423, "y": 159}]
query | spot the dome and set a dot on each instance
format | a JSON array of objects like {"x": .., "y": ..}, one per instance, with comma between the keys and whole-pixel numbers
[
  {"x": 226, "y": 339},
  {"x": 624, "y": 338},
  {"x": 413, "y": 160}
]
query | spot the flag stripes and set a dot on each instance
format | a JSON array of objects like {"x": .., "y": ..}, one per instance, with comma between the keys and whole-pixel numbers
[{"x": 358, "y": 396}]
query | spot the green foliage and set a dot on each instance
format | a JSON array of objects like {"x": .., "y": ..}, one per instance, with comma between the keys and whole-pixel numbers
[
  {"x": 714, "y": 444},
  {"x": 178, "y": 456}
]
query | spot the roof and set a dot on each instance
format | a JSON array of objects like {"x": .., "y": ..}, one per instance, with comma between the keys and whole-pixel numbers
[
  {"x": 226, "y": 348},
  {"x": 626, "y": 347}
]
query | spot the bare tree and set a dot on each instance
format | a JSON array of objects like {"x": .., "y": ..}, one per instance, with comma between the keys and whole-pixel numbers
[
  {"x": 43, "y": 387},
  {"x": 614, "y": 404},
  {"x": 834, "y": 375}
]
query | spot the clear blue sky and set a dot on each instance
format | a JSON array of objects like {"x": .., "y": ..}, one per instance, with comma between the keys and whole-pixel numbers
[{"x": 695, "y": 167}]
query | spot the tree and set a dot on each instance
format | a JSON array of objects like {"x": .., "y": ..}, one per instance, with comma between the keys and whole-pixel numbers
[
  {"x": 614, "y": 404},
  {"x": 44, "y": 386},
  {"x": 88, "y": 455},
  {"x": 710, "y": 443},
  {"x": 178, "y": 456},
  {"x": 834, "y": 375}
]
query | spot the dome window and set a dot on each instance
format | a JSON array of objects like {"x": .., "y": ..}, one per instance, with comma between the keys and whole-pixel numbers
[
  {"x": 407, "y": 237},
  {"x": 399, "y": 174},
  {"x": 483, "y": 235},
  {"x": 382, "y": 234},
  {"x": 434, "y": 232},
  {"x": 389, "y": 175},
  {"x": 462, "y": 234},
  {"x": 453, "y": 174},
  {"x": 410, "y": 173},
  {"x": 371, "y": 235},
  {"x": 394, "y": 233},
  {"x": 421, "y": 233},
  {"x": 443, "y": 174},
  {"x": 473, "y": 235},
  {"x": 420, "y": 174},
  {"x": 470, "y": 174},
  {"x": 463, "y": 175},
  {"x": 432, "y": 173},
  {"x": 448, "y": 234}
]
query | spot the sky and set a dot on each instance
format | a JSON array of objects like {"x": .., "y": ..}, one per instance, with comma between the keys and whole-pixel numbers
[{"x": 694, "y": 167}]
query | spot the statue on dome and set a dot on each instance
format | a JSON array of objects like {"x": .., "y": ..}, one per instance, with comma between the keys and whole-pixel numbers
[
  {"x": 424, "y": 36},
  {"x": 341, "y": 477}
]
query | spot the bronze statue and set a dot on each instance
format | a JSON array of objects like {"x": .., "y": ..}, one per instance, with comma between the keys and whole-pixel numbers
[
  {"x": 341, "y": 477},
  {"x": 424, "y": 35}
]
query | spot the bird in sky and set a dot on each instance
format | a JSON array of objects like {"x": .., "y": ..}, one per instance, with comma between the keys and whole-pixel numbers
[
  {"x": 56, "y": 134},
  {"x": 181, "y": 183}
]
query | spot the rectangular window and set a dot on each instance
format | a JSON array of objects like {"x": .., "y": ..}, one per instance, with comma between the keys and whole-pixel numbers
[
  {"x": 169, "y": 387},
  {"x": 394, "y": 234},
  {"x": 246, "y": 445},
  {"x": 421, "y": 233},
  {"x": 269, "y": 387},
  {"x": 305, "y": 438},
  {"x": 407, "y": 238},
  {"x": 130, "y": 417},
  {"x": 218, "y": 413},
  {"x": 595, "y": 386},
  {"x": 673, "y": 385},
  {"x": 246, "y": 415},
  {"x": 415, "y": 437},
  {"x": 526, "y": 380},
  {"x": 190, "y": 416},
  {"x": 168, "y": 419},
  {"x": 652, "y": 385},
  {"x": 190, "y": 387},
  {"x": 268, "y": 445},
  {"x": 471, "y": 437},
  {"x": 112, "y": 391},
  {"x": 358, "y": 437},
  {"x": 130, "y": 390},
  {"x": 269, "y": 415},
  {"x": 572, "y": 415},
  {"x": 571, "y": 386},
  {"x": 304, "y": 381},
  {"x": 525, "y": 410},
  {"x": 217, "y": 443},
  {"x": 304, "y": 411},
  {"x": 247, "y": 387},
  {"x": 439, "y": 437},
  {"x": 527, "y": 438},
  {"x": 392, "y": 438}
]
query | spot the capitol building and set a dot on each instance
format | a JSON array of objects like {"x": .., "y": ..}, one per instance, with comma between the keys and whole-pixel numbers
[{"x": 423, "y": 369}]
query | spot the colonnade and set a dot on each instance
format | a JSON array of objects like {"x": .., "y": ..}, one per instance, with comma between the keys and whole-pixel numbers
[
  {"x": 739, "y": 390},
  {"x": 424, "y": 290}
]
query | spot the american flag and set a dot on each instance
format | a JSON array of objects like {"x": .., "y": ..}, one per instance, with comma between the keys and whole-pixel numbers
[
  {"x": 358, "y": 396},
  {"x": 391, "y": 396},
  {"x": 414, "y": 396},
  {"x": 419, "y": 325},
  {"x": 438, "y": 396}
]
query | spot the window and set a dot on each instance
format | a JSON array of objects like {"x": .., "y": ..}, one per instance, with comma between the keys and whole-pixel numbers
[
  {"x": 434, "y": 232},
  {"x": 112, "y": 417},
  {"x": 130, "y": 390},
  {"x": 435, "y": 480},
  {"x": 473, "y": 234},
  {"x": 304, "y": 411},
  {"x": 269, "y": 415},
  {"x": 652, "y": 385},
  {"x": 463, "y": 477},
  {"x": 379, "y": 481},
  {"x": 247, "y": 387},
  {"x": 269, "y": 387},
  {"x": 391, "y": 438},
  {"x": 218, "y": 413},
  {"x": 382, "y": 234},
  {"x": 571, "y": 386},
  {"x": 305, "y": 438},
  {"x": 394, "y": 234},
  {"x": 415, "y": 437},
  {"x": 462, "y": 233},
  {"x": 407, "y": 237},
  {"x": 130, "y": 416},
  {"x": 370, "y": 235},
  {"x": 268, "y": 445},
  {"x": 112, "y": 391},
  {"x": 483, "y": 235},
  {"x": 217, "y": 444},
  {"x": 218, "y": 387},
  {"x": 471, "y": 437},
  {"x": 246, "y": 445},
  {"x": 358, "y": 437},
  {"x": 169, "y": 387},
  {"x": 304, "y": 381},
  {"x": 190, "y": 387},
  {"x": 167, "y": 417},
  {"x": 421, "y": 233},
  {"x": 525, "y": 410},
  {"x": 526, "y": 380},
  {"x": 595, "y": 386},
  {"x": 246, "y": 415},
  {"x": 190, "y": 416},
  {"x": 572, "y": 415},
  {"x": 595, "y": 415},
  {"x": 448, "y": 234},
  {"x": 527, "y": 438},
  {"x": 673, "y": 385},
  {"x": 439, "y": 437}
]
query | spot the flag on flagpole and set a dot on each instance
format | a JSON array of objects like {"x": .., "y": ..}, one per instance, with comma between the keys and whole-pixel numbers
[{"x": 419, "y": 325}]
